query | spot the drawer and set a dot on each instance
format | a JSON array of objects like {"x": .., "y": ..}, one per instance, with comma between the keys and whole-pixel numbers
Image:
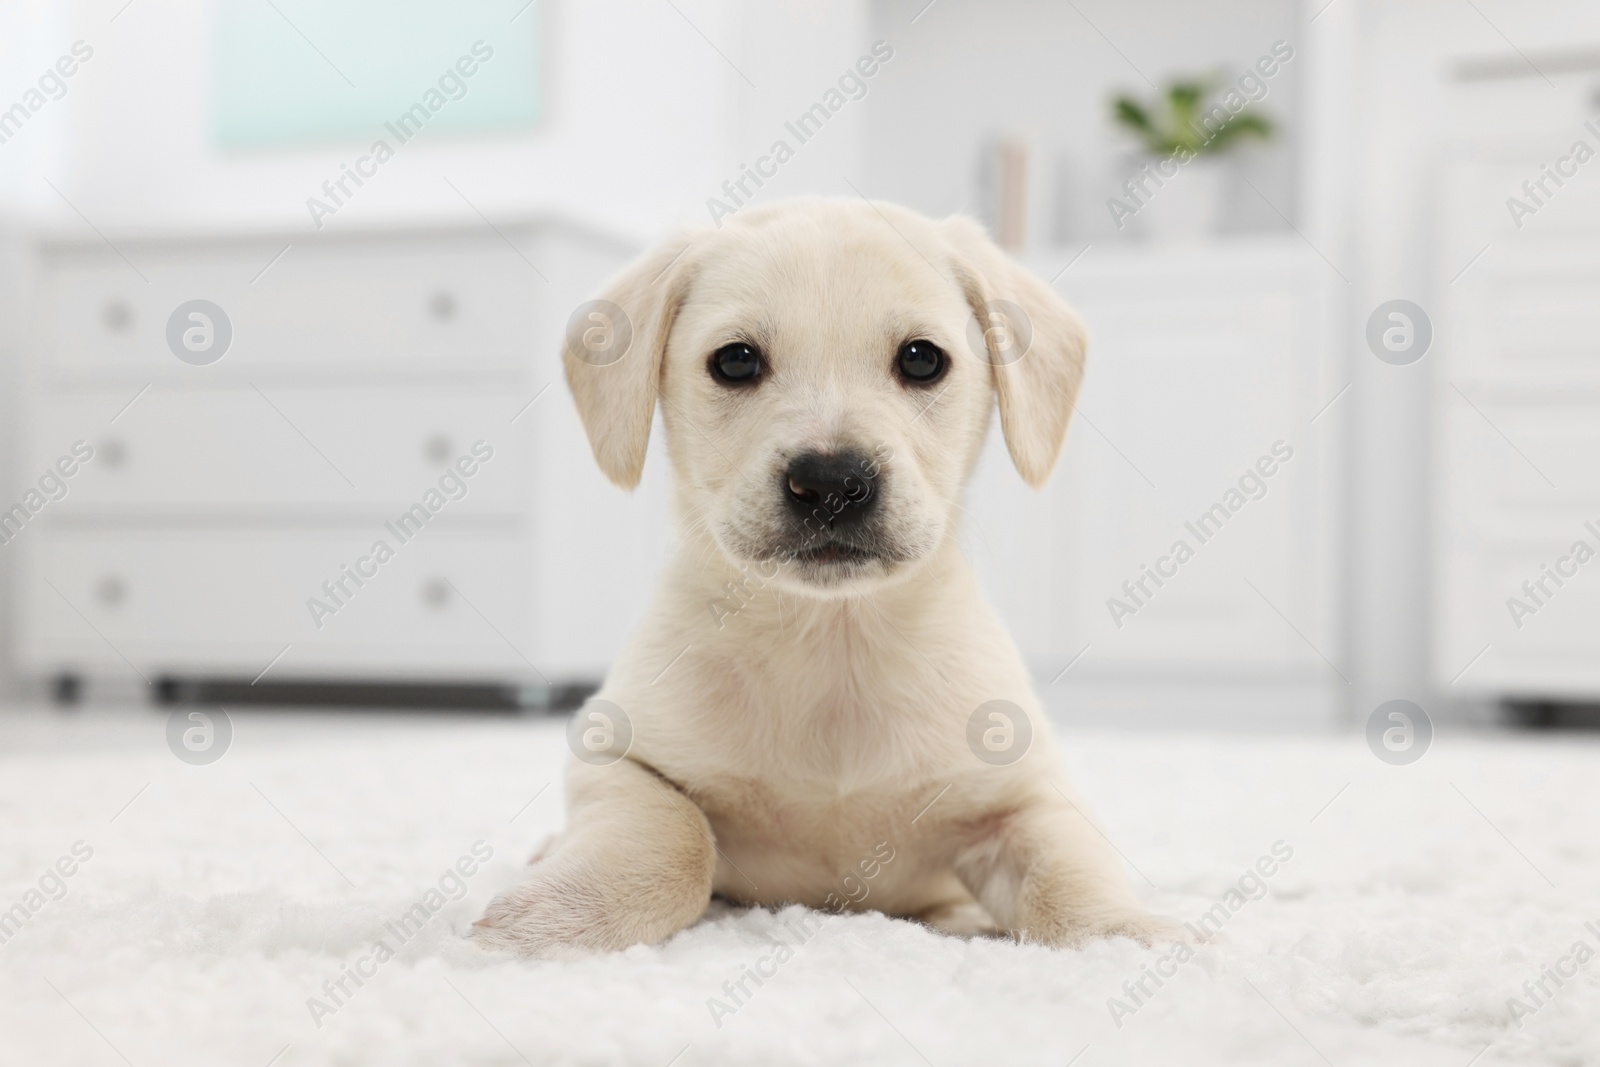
[
  {"x": 229, "y": 600},
  {"x": 274, "y": 450},
  {"x": 455, "y": 303},
  {"x": 1556, "y": 647},
  {"x": 1476, "y": 197},
  {"x": 1501, "y": 98},
  {"x": 1527, "y": 316},
  {"x": 1491, "y": 482}
]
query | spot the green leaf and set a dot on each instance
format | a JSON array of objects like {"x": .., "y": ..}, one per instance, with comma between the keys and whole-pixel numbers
[
  {"x": 1132, "y": 114},
  {"x": 1174, "y": 121},
  {"x": 1241, "y": 125}
]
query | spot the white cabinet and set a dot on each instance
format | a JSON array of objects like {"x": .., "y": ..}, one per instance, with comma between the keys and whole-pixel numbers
[
  {"x": 1207, "y": 367},
  {"x": 393, "y": 388},
  {"x": 1516, "y": 386}
]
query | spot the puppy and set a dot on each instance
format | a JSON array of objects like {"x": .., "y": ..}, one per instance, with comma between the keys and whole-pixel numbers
[{"x": 820, "y": 707}]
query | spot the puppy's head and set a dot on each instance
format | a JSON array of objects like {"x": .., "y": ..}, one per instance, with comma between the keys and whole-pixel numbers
[{"x": 825, "y": 371}]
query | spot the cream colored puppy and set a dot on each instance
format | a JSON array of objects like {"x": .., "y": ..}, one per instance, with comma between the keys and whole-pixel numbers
[{"x": 820, "y": 707}]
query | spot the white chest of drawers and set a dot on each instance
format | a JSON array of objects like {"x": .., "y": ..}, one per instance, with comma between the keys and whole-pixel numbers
[
  {"x": 1517, "y": 391},
  {"x": 232, "y": 513}
]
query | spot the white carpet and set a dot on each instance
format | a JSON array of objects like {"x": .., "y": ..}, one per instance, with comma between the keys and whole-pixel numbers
[{"x": 204, "y": 920}]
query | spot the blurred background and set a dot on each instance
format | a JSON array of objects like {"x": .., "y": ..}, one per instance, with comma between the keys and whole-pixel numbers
[{"x": 283, "y": 280}]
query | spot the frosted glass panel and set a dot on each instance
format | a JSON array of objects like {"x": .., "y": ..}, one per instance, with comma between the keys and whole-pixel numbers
[{"x": 293, "y": 71}]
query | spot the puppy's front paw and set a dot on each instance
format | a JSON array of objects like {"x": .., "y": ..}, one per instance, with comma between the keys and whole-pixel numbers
[
  {"x": 538, "y": 918},
  {"x": 1149, "y": 930},
  {"x": 570, "y": 909}
]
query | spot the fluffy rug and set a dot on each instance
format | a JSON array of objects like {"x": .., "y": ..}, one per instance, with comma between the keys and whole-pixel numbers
[{"x": 1429, "y": 914}]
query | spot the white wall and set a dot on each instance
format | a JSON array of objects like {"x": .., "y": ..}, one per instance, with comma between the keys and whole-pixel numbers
[
  {"x": 647, "y": 112},
  {"x": 637, "y": 123},
  {"x": 35, "y": 34}
]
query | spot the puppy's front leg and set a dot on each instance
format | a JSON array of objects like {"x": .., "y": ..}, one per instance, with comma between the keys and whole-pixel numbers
[
  {"x": 1046, "y": 875},
  {"x": 633, "y": 866}
]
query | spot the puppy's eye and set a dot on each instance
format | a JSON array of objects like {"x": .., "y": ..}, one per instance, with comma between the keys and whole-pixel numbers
[
  {"x": 736, "y": 364},
  {"x": 921, "y": 362}
]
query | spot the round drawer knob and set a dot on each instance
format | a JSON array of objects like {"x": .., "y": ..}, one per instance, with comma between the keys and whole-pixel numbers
[
  {"x": 110, "y": 591},
  {"x": 438, "y": 448},
  {"x": 436, "y": 593},
  {"x": 113, "y": 453},
  {"x": 117, "y": 316},
  {"x": 443, "y": 306}
]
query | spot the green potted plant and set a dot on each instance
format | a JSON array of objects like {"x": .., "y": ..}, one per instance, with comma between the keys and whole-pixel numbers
[{"x": 1179, "y": 174}]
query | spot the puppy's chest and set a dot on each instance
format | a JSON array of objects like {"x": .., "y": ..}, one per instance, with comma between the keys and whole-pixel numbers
[
  {"x": 781, "y": 758},
  {"x": 802, "y": 838},
  {"x": 800, "y": 812},
  {"x": 831, "y": 718}
]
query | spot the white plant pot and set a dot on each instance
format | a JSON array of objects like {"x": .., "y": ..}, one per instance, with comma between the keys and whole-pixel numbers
[{"x": 1188, "y": 208}]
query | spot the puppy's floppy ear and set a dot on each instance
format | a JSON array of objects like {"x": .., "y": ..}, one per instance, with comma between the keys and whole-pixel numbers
[
  {"x": 613, "y": 354},
  {"x": 1034, "y": 343}
]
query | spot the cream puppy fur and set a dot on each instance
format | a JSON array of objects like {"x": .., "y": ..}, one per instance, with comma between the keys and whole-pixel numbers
[{"x": 807, "y": 692}]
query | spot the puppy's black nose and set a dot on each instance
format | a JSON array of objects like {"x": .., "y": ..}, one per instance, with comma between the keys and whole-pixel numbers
[{"x": 835, "y": 489}]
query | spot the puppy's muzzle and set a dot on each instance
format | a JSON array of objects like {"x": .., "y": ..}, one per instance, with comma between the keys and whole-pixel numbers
[{"x": 831, "y": 491}]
